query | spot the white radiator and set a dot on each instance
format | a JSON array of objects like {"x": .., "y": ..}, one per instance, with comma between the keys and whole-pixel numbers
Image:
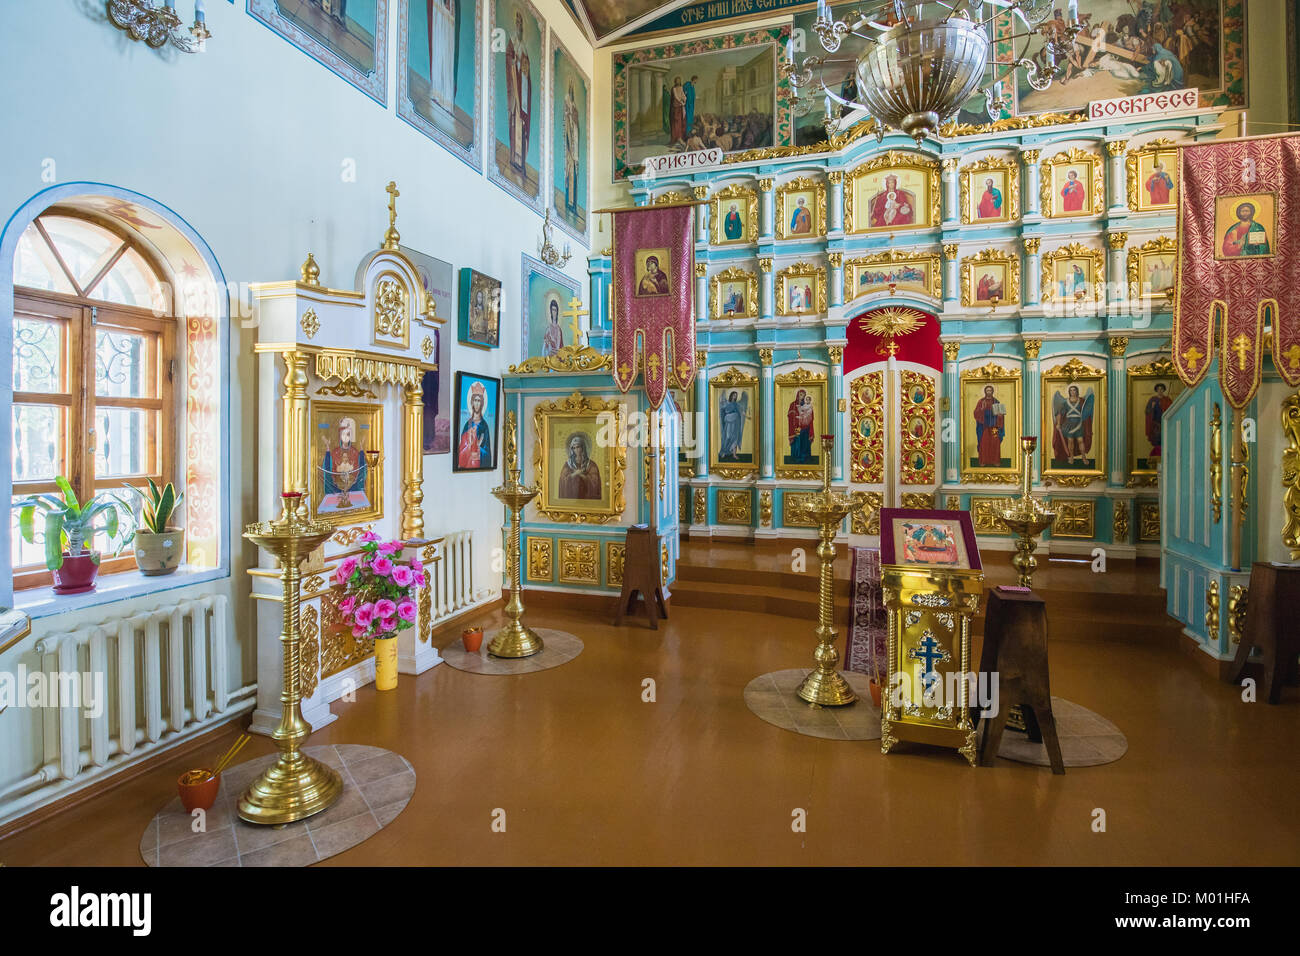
[
  {"x": 154, "y": 691},
  {"x": 451, "y": 576}
]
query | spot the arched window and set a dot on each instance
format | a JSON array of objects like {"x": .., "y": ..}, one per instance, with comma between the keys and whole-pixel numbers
[{"x": 94, "y": 345}]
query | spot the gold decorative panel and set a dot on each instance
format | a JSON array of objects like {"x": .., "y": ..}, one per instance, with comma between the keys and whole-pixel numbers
[
  {"x": 426, "y": 615},
  {"x": 735, "y": 507},
  {"x": 579, "y": 562},
  {"x": 615, "y": 554},
  {"x": 865, "y": 519},
  {"x": 919, "y": 501},
  {"x": 867, "y": 429},
  {"x": 1075, "y": 518},
  {"x": 540, "y": 567},
  {"x": 765, "y": 508},
  {"x": 1149, "y": 522},
  {"x": 309, "y": 649},
  {"x": 339, "y": 649},
  {"x": 1120, "y": 522},
  {"x": 701, "y": 506},
  {"x": 392, "y": 319},
  {"x": 984, "y": 514},
  {"x": 794, "y": 509},
  {"x": 916, "y": 428}
]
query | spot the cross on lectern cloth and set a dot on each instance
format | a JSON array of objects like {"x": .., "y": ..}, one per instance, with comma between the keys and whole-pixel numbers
[
  {"x": 928, "y": 653},
  {"x": 574, "y": 314}
]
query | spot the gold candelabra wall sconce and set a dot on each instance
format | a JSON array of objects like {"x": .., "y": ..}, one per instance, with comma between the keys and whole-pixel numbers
[{"x": 158, "y": 26}]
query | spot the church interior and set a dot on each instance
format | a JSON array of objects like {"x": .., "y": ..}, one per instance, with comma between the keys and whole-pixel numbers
[{"x": 653, "y": 433}]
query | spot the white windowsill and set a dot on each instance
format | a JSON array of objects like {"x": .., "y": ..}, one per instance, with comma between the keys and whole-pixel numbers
[{"x": 110, "y": 588}]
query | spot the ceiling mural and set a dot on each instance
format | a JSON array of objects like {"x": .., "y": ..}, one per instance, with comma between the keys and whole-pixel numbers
[{"x": 609, "y": 16}]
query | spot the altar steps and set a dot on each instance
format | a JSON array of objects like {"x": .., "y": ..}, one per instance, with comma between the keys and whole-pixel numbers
[{"x": 1124, "y": 605}]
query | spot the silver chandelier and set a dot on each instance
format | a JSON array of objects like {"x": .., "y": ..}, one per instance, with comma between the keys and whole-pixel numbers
[{"x": 913, "y": 65}]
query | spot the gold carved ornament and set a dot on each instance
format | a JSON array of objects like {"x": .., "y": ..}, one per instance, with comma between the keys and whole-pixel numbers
[
  {"x": 539, "y": 559},
  {"x": 801, "y": 184},
  {"x": 986, "y": 514},
  {"x": 1149, "y": 521},
  {"x": 1096, "y": 270},
  {"x": 1238, "y": 598},
  {"x": 950, "y": 250},
  {"x": 1032, "y": 244},
  {"x": 579, "y": 561},
  {"x": 309, "y": 323},
  {"x": 671, "y": 197},
  {"x": 796, "y": 509},
  {"x": 891, "y": 323},
  {"x": 894, "y": 159},
  {"x": 934, "y": 268},
  {"x": 363, "y": 368},
  {"x": 1290, "y": 474},
  {"x": 806, "y": 271},
  {"x": 346, "y": 390},
  {"x": 1119, "y": 522},
  {"x": 568, "y": 359},
  {"x": 990, "y": 164},
  {"x": 701, "y": 505},
  {"x": 663, "y": 460},
  {"x": 309, "y": 650},
  {"x": 1161, "y": 244},
  {"x": 579, "y": 405},
  {"x": 1071, "y": 157},
  {"x": 1116, "y": 240},
  {"x": 765, "y": 356},
  {"x": 1116, "y": 147},
  {"x": 867, "y": 429},
  {"x": 765, "y": 508},
  {"x": 751, "y": 294},
  {"x": 1118, "y": 345},
  {"x": 426, "y": 347},
  {"x": 1007, "y": 124},
  {"x": 391, "y": 321},
  {"x": 951, "y": 350},
  {"x": 1132, "y": 165},
  {"x": 1075, "y": 518},
  {"x": 990, "y": 257},
  {"x": 953, "y": 503},
  {"x": 615, "y": 560},
  {"x": 741, "y": 194},
  {"x": 917, "y": 500},
  {"x": 1212, "y": 608},
  {"x": 735, "y": 507},
  {"x": 865, "y": 517},
  {"x": 1032, "y": 348}
]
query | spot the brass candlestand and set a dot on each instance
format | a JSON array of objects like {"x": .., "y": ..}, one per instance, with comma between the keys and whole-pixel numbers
[
  {"x": 295, "y": 786},
  {"x": 515, "y": 639},
  {"x": 825, "y": 685},
  {"x": 1027, "y": 517}
]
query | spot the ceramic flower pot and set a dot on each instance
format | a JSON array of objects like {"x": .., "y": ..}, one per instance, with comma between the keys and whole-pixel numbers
[
  {"x": 77, "y": 574},
  {"x": 385, "y": 663},
  {"x": 198, "y": 789},
  {"x": 157, "y": 554},
  {"x": 472, "y": 638}
]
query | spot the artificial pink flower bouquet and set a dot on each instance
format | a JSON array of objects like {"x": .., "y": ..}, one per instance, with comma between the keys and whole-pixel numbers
[{"x": 379, "y": 591}]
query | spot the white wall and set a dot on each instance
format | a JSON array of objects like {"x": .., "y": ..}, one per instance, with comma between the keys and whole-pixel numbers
[{"x": 248, "y": 143}]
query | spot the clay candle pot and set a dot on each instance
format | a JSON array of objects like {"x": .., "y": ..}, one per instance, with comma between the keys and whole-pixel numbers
[
  {"x": 198, "y": 789},
  {"x": 472, "y": 638}
]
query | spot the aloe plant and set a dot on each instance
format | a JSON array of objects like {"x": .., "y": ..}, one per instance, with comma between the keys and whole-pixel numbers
[
  {"x": 69, "y": 524},
  {"x": 158, "y": 506}
]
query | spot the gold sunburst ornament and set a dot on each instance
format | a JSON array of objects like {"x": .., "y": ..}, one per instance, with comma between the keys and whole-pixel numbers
[{"x": 891, "y": 324}]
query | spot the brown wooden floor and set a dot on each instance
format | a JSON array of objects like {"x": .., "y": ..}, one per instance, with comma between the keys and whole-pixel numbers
[{"x": 588, "y": 774}]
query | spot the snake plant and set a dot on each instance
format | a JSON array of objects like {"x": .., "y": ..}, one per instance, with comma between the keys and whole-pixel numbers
[{"x": 158, "y": 506}]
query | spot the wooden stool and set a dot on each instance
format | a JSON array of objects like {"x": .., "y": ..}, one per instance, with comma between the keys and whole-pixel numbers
[
  {"x": 1015, "y": 648},
  {"x": 642, "y": 573},
  {"x": 1271, "y": 625}
]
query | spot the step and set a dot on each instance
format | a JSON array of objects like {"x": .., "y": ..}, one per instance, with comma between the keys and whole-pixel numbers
[{"x": 758, "y": 598}]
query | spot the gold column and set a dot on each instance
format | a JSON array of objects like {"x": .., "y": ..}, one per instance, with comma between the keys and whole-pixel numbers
[
  {"x": 297, "y": 441},
  {"x": 413, "y": 462}
]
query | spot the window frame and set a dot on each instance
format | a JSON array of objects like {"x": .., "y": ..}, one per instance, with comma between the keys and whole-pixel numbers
[{"x": 82, "y": 317}]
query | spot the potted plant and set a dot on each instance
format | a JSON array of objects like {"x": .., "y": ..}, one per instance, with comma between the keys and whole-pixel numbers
[
  {"x": 69, "y": 528},
  {"x": 159, "y": 546},
  {"x": 379, "y": 600}
]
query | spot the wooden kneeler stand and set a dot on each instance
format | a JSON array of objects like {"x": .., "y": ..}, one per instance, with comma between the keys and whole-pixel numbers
[
  {"x": 1015, "y": 648},
  {"x": 642, "y": 573}
]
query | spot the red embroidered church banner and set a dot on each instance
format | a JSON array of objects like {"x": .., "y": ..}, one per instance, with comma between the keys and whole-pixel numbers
[
  {"x": 654, "y": 272},
  {"x": 1237, "y": 260}
]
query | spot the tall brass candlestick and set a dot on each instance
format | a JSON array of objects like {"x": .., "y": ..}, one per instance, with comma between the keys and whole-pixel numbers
[
  {"x": 825, "y": 685},
  {"x": 1027, "y": 516},
  {"x": 295, "y": 786},
  {"x": 515, "y": 639}
]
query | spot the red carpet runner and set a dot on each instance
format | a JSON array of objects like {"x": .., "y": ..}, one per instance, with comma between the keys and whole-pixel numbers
[{"x": 864, "y": 651}]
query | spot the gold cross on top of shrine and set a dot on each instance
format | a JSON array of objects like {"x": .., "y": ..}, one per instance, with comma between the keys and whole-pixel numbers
[
  {"x": 392, "y": 237},
  {"x": 574, "y": 314}
]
